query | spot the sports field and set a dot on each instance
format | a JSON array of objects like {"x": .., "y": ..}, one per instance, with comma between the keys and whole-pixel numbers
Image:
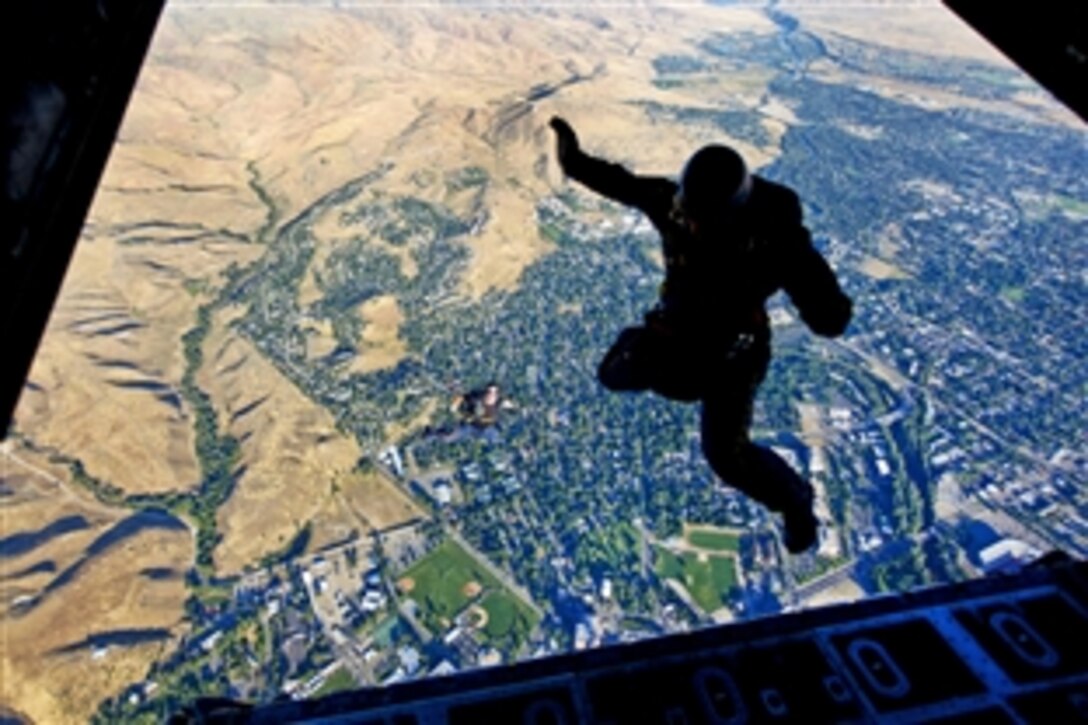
[
  {"x": 445, "y": 581},
  {"x": 713, "y": 540},
  {"x": 708, "y": 578},
  {"x": 505, "y": 613}
]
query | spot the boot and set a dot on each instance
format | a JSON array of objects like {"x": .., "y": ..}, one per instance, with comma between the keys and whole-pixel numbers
[{"x": 801, "y": 526}]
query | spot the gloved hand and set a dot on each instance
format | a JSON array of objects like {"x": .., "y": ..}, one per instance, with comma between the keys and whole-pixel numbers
[{"x": 566, "y": 141}]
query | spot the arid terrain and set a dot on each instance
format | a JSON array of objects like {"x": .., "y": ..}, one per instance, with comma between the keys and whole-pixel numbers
[
  {"x": 243, "y": 119},
  {"x": 291, "y": 450},
  {"x": 91, "y": 596}
]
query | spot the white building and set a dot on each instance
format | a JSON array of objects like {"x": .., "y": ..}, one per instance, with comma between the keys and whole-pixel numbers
[
  {"x": 373, "y": 601},
  {"x": 443, "y": 492},
  {"x": 391, "y": 457},
  {"x": 841, "y": 418},
  {"x": 452, "y": 635},
  {"x": 209, "y": 643},
  {"x": 1007, "y": 556},
  {"x": 445, "y": 667},
  {"x": 779, "y": 317},
  {"x": 409, "y": 659}
]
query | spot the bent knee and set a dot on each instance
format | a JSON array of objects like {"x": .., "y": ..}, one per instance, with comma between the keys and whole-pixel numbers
[
  {"x": 726, "y": 458},
  {"x": 621, "y": 370}
]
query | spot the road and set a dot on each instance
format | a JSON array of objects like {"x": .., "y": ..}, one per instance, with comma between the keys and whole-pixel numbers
[
  {"x": 830, "y": 580},
  {"x": 970, "y": 338},
  {"x": 683, "y": 596},
  {"x": 422, "y": 632},
  {"x": 495, "y": 571},
  {"x": 1027, "y": 532},
  {"x": 343, "y": 645},
  {"x": 498, "y": 573},
  {"x": 85, "y": 502},
  {"x": 888, "y": 550},
  {"x": 65, "y": 487}
]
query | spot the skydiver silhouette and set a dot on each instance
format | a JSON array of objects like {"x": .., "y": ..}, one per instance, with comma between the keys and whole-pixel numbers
[{"x": 731, "y": 239}]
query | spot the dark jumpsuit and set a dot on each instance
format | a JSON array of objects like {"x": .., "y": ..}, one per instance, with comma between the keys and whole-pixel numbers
[{"x": 708, "y": 339}]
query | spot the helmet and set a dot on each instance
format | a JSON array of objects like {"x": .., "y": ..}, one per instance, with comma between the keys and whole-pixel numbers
[{"x": 714, "y": 182}]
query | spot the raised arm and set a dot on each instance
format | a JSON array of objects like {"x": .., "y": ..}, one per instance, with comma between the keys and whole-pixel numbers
[
  {"x": 809, "y": 280},
  {"x": 605, "y": 178}
]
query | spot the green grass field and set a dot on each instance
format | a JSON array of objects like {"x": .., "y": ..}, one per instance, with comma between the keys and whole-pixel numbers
[
  {"x": 503, "y": 613},
  {"x": 439, "y": 579},
  {"x": 707, "y": 581},
  {"x": 1070, "y": 205},
  {"x": 338, "y": 681},
  {"x": 668, "y": 565},
  {"x": 713, "y": 540},
  {"x": 1013, "y": 294},
  {"x": 438, "y": 586}
]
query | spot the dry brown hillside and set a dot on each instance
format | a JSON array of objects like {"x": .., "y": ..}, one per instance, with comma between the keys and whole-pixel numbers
[
  {"x": 244, "y": 117},
  {"x": 290, "y": 449},
  {"x": 88, "y": 572}
]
